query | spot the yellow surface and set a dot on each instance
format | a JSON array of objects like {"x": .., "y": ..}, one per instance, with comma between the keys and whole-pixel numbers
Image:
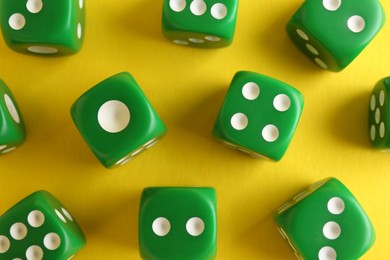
[{"x": 186, "y": 86}]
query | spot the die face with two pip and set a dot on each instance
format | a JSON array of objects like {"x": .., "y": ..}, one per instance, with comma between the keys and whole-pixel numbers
[
  {"x": 200, "y": 23},
  {"x": 378, "y": 115},
  {"x": 333, "y": 32},
  {"x": 325, "y": 222},
  {"x": 116, "y": 120},
  {"x": 178, "y": 223},
  {"x": 39, "y": 227},
  {"x": 12, "y": 128},
  {"x": 259, "y": 115},
  {"x": 43, "y": 27}
]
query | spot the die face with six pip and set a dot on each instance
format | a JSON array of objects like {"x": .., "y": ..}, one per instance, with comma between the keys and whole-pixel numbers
[
  {"x": 259, "y": 115},
  {"x": 325, "y": 222},
  {"x": 200, "y": 23},
  {"x": 39, "y": 227},
  {"x": 12, "y": 128},
  {"x": 43, "y": 27},
  {"x": 116, "y": 120},
  {"x": 333, "y": 32},
  {"x": 178, "y": 223},
  {"x": 378, "y": 115}
]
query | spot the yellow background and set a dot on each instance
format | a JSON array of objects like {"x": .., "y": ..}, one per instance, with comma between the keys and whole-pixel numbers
[{"x": 186, "y": 86}]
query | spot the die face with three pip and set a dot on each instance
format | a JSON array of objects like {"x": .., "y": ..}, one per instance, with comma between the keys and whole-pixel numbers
[
  {"x": 333, "y": 32},
  {"x": 178, "y": 223},
  {"x": 12, "y": 128},
  {"x": 325, "y": 222},
  {"x": 39, "y": 227},
  {"x": 200, "y": 23},
  {"x": 378, "y": 115},
  {"x": 43, "y": 27},
  {"x": 259, "y": 115},
  {"x": 116, "y": 120}
]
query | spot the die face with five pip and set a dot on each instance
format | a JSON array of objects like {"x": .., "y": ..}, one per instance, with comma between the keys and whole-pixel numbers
[
  {"x": 178, "y": 223},
  {"x": 333, "y": 32},
  {"x": 116, "y": 120},
  {"x": 259, "y": 115},
  {"x": 43, "y": 27},
  {"x": 200, "y": 23},
  {"x": 39, "y": 227},
  {"x": 378, "y": 115},
  {"x": 12, "y": 128},
  {"x": 325, "y": 222}
]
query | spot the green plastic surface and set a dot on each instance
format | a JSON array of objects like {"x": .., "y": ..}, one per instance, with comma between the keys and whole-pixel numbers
[
  {"x": 181, "y": 235},
  {"x": 326, "y": 222},
  {"x": 272, "y": 110},
  {"x": 333, "y": 35},
  {"x": 39, "y": 227},
  {"x": 43, "y": 27},
  {"x": 198, "y": 23},
  {"x": 12, "y": 128},
  {"x": 112, "y": 146}
]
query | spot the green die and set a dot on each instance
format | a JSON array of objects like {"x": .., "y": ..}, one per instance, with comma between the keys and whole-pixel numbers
[
  {"x": 200, "y": 23},
  {"x": 12, "y": 130},
  {"x": 259, "y": 115},
  {"x": 43, "y": 27},
  {"x": 333, "y": 32},
  {"x": 116, "y": 120},
  {"x": 39, "y": 227},
  {"x": 378, "y": 115},
  {"x": 178, "y": 223},
  {"x": 325, "y": 222}
]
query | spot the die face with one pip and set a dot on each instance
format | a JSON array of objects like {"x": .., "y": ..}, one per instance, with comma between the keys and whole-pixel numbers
[
  {"x": 378, "y": 115},
  {"x": 39, "y": 227},
  {"x": 116, "y": 120},
  {"x": 200, "y": 23},
  {"x": 42, "y": 26},
  {"x": 325, "y": 222},
  {"x": 12, "y": 128},
  {"x": 333, "y": 32},
  {"x": 178, "y": 223},
  {"x": 259, "y": 115}
]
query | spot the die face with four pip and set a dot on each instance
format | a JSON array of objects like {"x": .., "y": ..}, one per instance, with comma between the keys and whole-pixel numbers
[
  {"x": 39, "y": 227},
  {"x": 200, "y": 23},
  {"x": 116, "y": 120},
  {"x": 325, "y": 222},
  {"x": 333, "y": 32},
  {"x": 43, "y": 27},
  {"x": 12, "y": 128},
  {"x": 178, "y": 223},
  {"x": 259, "y": 115},
  {"x": 378, "y": 115}
]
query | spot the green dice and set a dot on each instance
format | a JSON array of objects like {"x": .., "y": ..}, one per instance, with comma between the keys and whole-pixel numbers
[
  {"x": 116, "y": 120},
  {"x": 178, "y": 223},
  {"x": 325, "y": 222},
  {"x": 43, "y": 27},
  {"x": 259, "y": 115},
  {"x": 12, "y": 130},
  {"x": 39, "y": 227},
  {"x": 333, "y": 32},
  {"x": 200, "y": 23}
]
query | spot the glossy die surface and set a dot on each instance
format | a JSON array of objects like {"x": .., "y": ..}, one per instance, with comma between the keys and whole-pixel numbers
[
  {"x": 378, "y": 115},
  {"x": 116, "y": 120},
  {"x": 12, "y": 128},
  {"x": 259, "y": 115},
  {"x": 326, "y": 222},
  {"x": 178, "y": 223},
  {"x": 200, "y": 23},
  {"x": 333, "y": 32},
  {"x": 39, "y": 227},
  {"x": 43, "y": 27}
]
